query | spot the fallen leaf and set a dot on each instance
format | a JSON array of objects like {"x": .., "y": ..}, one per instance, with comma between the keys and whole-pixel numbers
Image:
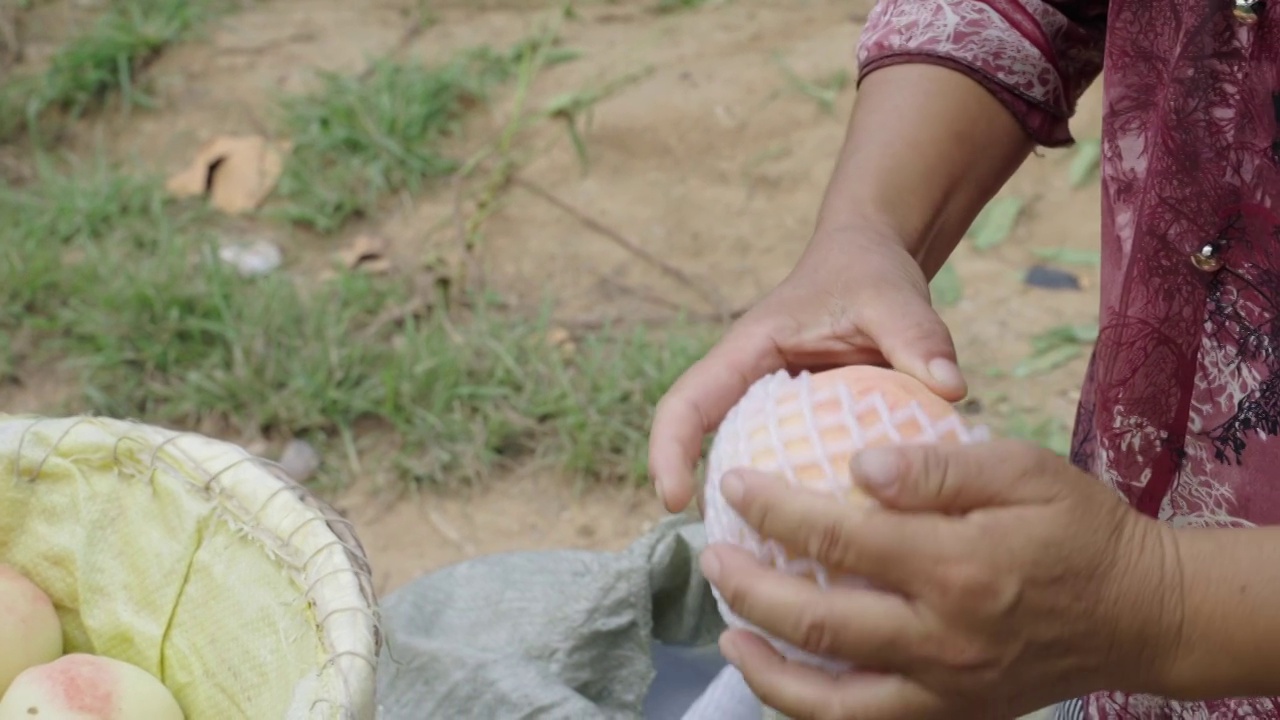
[
  {"x": 945, "y": 287},
  {"x": 1056, "y": 347},
  {"x": 562, "y": 339},
  {"x": 1046, "y": 361},
  {"x": 368, "y": 252},
  {"x": 1085, "y": 162},
  {"x": 236, "y": 173},
  {"x": 1065, "y": 335},
  {"x": 993, "y": 225},
  {"x": 1049, "y": 433}
]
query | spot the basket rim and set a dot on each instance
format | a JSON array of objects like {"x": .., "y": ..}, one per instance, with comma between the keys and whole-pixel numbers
[{"x": 284, "y": 517}]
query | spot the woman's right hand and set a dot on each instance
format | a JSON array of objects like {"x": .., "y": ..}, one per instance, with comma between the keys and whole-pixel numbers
[
  {"x": 926, "y": 148},
  {"x": 856, "y": 296}
]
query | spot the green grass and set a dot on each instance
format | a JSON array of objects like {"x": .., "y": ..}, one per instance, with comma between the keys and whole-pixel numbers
[
  {"x": 120, "y": 285},
  {"x": 105, "y": 59},
  {"x": 671, "y": 6},
  {"x": 358, "y": 140}
]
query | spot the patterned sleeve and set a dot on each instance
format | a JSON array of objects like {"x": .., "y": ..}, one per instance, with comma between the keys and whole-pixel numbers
[{"x": 1036, "y": 56}]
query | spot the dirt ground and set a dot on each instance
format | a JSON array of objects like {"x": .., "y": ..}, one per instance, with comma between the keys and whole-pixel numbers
[{"x": 712, "y": 161}]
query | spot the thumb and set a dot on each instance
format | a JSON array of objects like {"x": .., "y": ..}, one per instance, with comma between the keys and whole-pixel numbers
[
  {"x": 955, "y": 478},
  {"x": 914, "y": 339}
]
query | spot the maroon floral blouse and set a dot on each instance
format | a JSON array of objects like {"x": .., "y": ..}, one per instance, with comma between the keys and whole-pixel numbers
[{"x": 1181, "y": 403}]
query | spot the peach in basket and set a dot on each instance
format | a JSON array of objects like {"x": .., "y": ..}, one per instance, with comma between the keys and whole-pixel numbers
[
  {"x": 807, "y": 428},
  {"x": 183, "y": 558}
]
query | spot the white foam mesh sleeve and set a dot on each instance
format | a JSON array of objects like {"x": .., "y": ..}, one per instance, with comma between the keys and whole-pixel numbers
[{"x": 796, "y": 449}]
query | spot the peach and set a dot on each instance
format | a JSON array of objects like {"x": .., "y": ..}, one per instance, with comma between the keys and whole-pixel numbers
[
  {"x": 30, "y": 632},
  {"x": 808, "y": 428},
  {"x": 80, "y": 686}
]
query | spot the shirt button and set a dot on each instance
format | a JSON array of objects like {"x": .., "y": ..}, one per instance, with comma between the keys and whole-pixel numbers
[
  {"x": 1246, "y": 11},
  {"x": 1207, "y": 259}
]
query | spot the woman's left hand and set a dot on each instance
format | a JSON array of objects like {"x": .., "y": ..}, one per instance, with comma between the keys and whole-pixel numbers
[{"x": 1013, "y": 581}]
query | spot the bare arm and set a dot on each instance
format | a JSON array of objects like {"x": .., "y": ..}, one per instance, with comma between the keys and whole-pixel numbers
[
  {"x": 1229, "y": 623},
  {"x": 940, "y": 123},
  {"x": 926, "y": 148}
]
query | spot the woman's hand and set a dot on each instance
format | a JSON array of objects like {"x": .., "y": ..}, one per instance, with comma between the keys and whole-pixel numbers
[
  {"x": 1013, "y": 581},
  {"x": 856, "y": 297},
  {"x": 926, "y": 148}
]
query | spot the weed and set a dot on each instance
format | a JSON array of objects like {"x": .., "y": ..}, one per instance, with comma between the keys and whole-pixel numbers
[
  {"x": 130, "y": 295},
  {"x": 359, "y": 139},
  {"x": 824, "y": 91},
  {"x": 1049, "y": 433},
  {"x": 671, "y": 6},
  {"x": 355, "y": 142},
  {"x": 1056, "y": 347},
  {"x": 106, "y": 59}
]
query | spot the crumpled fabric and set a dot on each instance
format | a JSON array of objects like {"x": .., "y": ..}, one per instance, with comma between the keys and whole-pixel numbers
[{"x": 555, "y": 634}]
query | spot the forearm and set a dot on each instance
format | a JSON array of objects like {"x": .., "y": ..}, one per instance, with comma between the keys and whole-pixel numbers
[
  {"x": 926, "y": 148},
  {"x": 1229, "y": 634}
]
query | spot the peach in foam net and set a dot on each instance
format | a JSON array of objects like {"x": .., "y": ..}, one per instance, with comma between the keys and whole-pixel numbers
[{"x": 807, "y": 428}]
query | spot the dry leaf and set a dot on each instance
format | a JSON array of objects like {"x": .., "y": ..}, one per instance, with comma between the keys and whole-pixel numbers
[
  {"x": 368, "y": 252},
  {"x": 562, "y": 339},
  {"x": 236, "y": 173}
]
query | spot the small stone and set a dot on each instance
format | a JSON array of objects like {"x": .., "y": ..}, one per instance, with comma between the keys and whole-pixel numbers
[
  {"x": 1047, "y": 278},
  {"x": 255, "y": 259},
  {"x": 300, "y": 460}
]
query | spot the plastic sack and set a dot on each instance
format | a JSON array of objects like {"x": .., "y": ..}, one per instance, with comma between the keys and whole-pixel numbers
[
  {"x": 555, "y": 634},
  {"x": 195, "y": 561}
]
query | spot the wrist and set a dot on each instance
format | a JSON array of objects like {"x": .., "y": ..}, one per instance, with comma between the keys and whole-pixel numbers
[
  {"x": 1148, "y": 627},
  {"x": 854, "y": 207},
  {"x": 845, "y": 233},
  {"x": 1226, "y": 637}
]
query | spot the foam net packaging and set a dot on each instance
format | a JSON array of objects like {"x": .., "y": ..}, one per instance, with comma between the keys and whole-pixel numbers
[{"x": 807, "y": 428}]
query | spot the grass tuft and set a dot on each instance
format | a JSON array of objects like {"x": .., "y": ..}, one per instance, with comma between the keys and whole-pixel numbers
[
  {"x": 122, "y": 285},
  {"x": 359, "y": 139},
  {"x": 105, "y": 59},
  {"x": 674, "y": 6}
]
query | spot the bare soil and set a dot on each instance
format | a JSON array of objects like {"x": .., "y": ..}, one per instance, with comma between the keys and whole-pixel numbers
[{"x": 712, "y": 161}]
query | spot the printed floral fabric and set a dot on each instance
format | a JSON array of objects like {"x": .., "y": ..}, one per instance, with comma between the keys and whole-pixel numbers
[{"x": 1181, "y": 402}]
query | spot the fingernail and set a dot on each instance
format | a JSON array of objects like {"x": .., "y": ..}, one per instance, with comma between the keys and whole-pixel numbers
[
  {"x": 877, "y": 467},
  {"x": 657, "y": 488},
  {"x": 732, "y": 487},
  {"x": 946, "y": 373},
  {"x": 710, "y": 566}
]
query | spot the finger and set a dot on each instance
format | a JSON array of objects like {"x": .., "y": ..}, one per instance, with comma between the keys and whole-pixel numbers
[
  {"x": 915, "y": 340},
  {"x": 954, "y": 478},
  {"x": 801, "y": 692},
  {"x": 894, "y": 551},
  {"x": 698, "y": 401},
  {"x": 870, "y": 628}
]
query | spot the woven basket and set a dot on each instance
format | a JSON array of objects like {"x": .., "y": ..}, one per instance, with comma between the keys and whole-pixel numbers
[{"x": 207, "y": 567}]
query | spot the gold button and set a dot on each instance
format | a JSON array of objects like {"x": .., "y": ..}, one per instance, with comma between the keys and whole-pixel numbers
[
  {"x": 1207, "y": 259},
  {"x": 1246, "y": 11}
]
